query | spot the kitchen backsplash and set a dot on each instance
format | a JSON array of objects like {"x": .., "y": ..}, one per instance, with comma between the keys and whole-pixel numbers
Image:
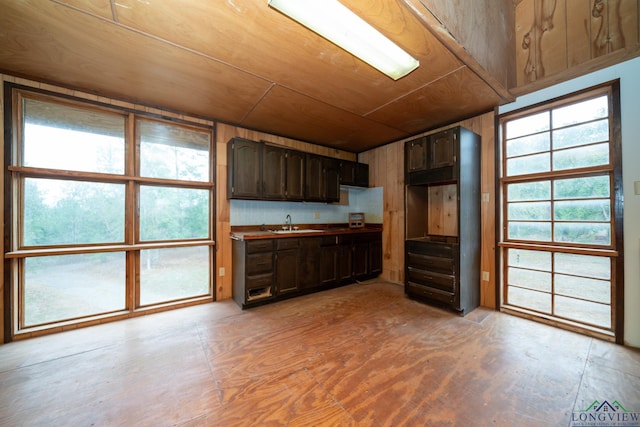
[{"x": 255, "y": 212}]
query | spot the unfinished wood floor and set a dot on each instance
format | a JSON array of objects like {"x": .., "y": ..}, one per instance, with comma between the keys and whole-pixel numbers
[{"x": 361, "y": 355}]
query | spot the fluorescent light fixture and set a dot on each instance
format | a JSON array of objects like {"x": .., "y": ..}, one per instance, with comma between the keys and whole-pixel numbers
[{"x": 336, "y": 23}]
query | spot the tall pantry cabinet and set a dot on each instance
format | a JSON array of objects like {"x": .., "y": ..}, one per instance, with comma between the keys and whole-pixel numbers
[{"x": 442, "y": 198}]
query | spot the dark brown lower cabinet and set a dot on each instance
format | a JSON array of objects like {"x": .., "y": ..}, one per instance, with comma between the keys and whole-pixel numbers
[
  {"x": 266, "y": 270},
  {"x": 286, "y": 266},
  {"x": 329, "y": 254},
  {"x": 434, "y": 272},
  {"x": 375, "y": 257},
  {"x": 253, "y": 271},
  {"x": 308, "y": 259},
  {"x": 360, "y": 259},
  {"x": 345, "y": 260}
]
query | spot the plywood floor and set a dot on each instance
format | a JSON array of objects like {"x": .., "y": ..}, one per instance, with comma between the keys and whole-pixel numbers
[{"x": 361, "y": 355}]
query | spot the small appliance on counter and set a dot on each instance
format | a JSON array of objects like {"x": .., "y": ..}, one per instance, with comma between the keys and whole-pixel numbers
[{"x": 356, "y": 220}]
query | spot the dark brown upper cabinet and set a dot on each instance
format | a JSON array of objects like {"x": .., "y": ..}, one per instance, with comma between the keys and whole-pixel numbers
[
  {"x": 274, "y": 168},
  {"x": 314, "y": 178},
  {"x": 432, "y": 158},
  {"x": 322, "y": 179},
  {"x": 262, "y": 171},
  {"x": 354, "y": 173},
  {"x": 331, "y": 185},
  {"x": 244, "y": 160},
  {"x": 295, "y": 175},
  {"x": 282, "y": 173},
  {"x": 416, "y": 154},
  {"x": 441, "y": 152}
]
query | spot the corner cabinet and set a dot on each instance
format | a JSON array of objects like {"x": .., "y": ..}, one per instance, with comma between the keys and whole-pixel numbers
[
  {"x": 442, "y": 221},
  {"x": 354, "y": 174}
]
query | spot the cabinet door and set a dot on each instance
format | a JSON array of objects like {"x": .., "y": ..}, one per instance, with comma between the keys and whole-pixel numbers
[
  {"x": 331, "y": 172},
  {"x": 345, "y": 262},
  {"x": 360, "y": 259},
  {"x": 362, "y": 175},
  {"x": 416, "y": 154},
  {"x": 309, "y": 268},
  {"x": 245, "y": 168},
  {"x": 442, "y": 149},
  {"x": 273, "y": 172},
  {"x": 375, "y": 256},
  {"x": 314, "y": 178},
  {"x": 329, "y": 265},
  {"x": 295, "y": 175},
  {"x": 286, "y": 262},
  {"x": 347, "y": 172}
]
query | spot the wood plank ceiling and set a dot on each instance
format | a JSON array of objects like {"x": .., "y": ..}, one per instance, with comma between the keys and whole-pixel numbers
[{"x": 243, "y": 63}]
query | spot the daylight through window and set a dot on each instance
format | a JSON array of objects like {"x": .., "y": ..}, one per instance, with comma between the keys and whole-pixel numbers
[
  {"x": 112, "y": 212},
  {"x": 558, "y": 212}
]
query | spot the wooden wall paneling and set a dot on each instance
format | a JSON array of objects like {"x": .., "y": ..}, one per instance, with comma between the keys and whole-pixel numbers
[
  {"x": 526, "y": 45},
  {"x": 386, "y": 169},
  {"x": 628, "y": 22},
  {"x": 394, "y": 200},
  {"x": 578, "y": 14},
  {"x": 223, "y": 219},
  {"x": 597, "y": 34},
  {"x": 486, "y": 129},
  {"x": 442, "y": 210},
  {"x": 552, "y": 30},
  {"x": 540, "y": 39}
]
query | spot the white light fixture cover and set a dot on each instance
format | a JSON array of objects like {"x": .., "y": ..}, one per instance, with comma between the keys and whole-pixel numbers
[{"x": 336, "y": 23}]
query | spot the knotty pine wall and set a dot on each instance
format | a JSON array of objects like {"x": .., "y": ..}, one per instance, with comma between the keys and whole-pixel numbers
[{"x": 386, "y": 169}]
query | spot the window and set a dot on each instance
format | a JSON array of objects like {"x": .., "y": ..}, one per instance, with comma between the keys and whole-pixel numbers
[
  {"x": 561, "y": 225},
  {"x": 111, "y": 212}
]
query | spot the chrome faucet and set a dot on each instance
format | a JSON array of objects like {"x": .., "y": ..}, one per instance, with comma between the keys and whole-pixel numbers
[{"x": 287, "y": 221}]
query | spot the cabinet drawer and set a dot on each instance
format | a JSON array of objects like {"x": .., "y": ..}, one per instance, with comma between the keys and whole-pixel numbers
[
  {"x": 437, "y": 249},
  {"x": 431, "y": 293},
  {"x": 254, "y": 246},
  {"x": 282, "y": 244},
  {"x": 427, "y": 262},
  {"x": 259, "y": 263},
  {"x": 432, "y": 279},
  {"x": 330, "y": 240},
  {"x": 259, "y": 281}
]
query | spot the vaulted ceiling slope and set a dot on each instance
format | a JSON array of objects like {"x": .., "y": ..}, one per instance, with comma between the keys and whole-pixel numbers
[{"x": 243, "y": 63}]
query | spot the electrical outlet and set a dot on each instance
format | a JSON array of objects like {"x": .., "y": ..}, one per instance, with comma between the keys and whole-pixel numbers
[
  {"x": 316, "y": 215},
  {"x": 221, "y": 272},
  {"x": 485, "y": 197},
  {"x": 485, "y": 276},
  {"x": 636, "y": 188}
]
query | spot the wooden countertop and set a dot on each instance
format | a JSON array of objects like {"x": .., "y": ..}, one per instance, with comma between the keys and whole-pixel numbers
[{"x": 246, "y": 233}]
